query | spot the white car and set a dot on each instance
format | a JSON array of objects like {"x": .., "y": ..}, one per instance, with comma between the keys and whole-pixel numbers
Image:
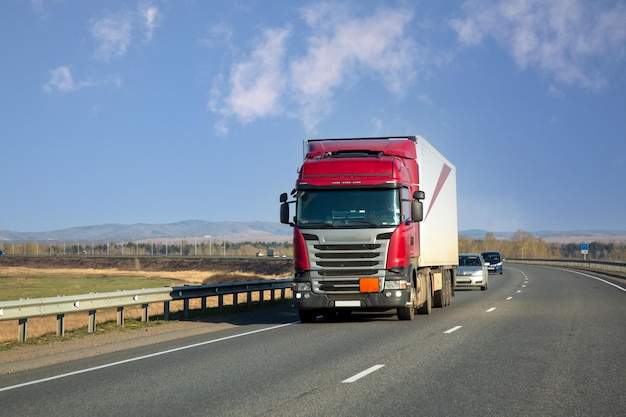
[{"x": 472, "y": 271}]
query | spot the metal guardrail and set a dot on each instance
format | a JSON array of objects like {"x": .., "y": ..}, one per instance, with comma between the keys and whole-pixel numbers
[
  {"x": 24, "y": 309},
  {"x": 603, "y": 266}
]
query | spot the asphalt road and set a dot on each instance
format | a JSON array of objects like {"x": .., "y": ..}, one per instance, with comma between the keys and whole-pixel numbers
[{"x": 539, "y": 342}]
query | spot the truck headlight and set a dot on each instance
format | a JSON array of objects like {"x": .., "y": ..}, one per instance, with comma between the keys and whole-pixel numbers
[
  {"x": 395, "y": 285},
  {"x": 302, "y": 286}
]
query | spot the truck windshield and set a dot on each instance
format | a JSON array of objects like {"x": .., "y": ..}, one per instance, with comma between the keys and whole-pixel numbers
[{"x": 348, "y": 208}]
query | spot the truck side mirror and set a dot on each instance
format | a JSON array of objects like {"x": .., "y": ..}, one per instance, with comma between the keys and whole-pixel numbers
[
  {"x": 417, "y": 208},
  {"x": 284, "y": 213},
  {"x": 284, "y": 209},
  {"x": 417, "y": 211}
]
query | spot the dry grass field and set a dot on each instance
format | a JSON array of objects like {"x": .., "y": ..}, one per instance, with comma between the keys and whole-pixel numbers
[{"x": 46, "y": 280}]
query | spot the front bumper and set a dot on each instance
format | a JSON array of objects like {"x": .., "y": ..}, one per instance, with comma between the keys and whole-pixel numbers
[
  {"x": 384, "y": 299},
  {"x": 469, "y": 281}
]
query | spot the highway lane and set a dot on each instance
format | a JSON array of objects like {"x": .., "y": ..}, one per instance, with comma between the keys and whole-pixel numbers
[{"x": 540, "y": 341}]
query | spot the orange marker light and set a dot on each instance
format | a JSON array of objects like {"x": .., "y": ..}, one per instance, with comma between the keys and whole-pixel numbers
[{"x": 368, "y": 285}]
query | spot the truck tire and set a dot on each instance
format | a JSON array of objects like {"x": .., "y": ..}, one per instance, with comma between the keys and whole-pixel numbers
[
  {"x": 442, "y": 297},
  {"x": 307, "y": 316},
  {"x": 447, "y": 285},
  {"x": 427, "y": 306},
  {"x": 449, "y": 288},
  {"x": 408, "y": 313},
  {"x": 438, "y": 299}
]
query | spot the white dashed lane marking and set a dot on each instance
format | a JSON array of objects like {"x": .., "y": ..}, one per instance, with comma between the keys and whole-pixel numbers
[
  {"x": 362, "y": 374},
  {"x": 452, "y": 330}
]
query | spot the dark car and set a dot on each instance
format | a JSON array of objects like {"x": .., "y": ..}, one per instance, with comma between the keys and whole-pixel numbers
[{"x": 494, "y": 261}]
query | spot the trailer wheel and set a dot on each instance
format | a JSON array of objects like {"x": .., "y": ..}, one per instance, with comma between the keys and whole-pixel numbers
[
  {"x": 439, "y": 298},
  {"x": 408, "y": 313},
  {"x": 448, "y": 286},
  {"x": 307, "y": 316},
  {"x": 442, "y": 296}
]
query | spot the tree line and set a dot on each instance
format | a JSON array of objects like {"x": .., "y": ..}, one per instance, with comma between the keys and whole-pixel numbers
[
  {"x": 155, "y": 248},
  {"x": 521, "y": 245},
  {"x": 524, "y": 245}
]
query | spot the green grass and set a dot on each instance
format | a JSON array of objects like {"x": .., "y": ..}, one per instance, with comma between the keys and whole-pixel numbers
[{"x": 46, "y": 284}]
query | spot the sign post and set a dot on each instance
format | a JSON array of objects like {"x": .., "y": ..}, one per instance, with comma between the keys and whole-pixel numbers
[{"x": 584, "y": 249}]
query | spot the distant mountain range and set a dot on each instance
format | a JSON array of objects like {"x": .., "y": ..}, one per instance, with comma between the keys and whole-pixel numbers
[
  {"x": 252, "y": 231},
  {"x": 186, "y": 229}
]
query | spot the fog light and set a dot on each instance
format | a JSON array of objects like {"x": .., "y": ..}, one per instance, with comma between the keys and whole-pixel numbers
[
  {"x": 388, "y": 294},
  {"x": 398, "y": 294},
  {"x": 298, "y": 295},
  {"x": 307, "y": 295}
]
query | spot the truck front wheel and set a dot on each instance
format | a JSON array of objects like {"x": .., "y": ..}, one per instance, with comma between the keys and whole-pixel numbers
[{"x": 408, "y": 313}]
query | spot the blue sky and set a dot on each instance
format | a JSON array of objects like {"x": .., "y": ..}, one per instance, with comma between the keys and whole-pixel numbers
[{"x": 162, "y": 111}]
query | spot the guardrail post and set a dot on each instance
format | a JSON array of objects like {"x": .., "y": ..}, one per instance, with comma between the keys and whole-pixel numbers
[
  {"x": 21, "y": 330},
  {"x": 273, "y": 294},
  {"x": 166, "y": 310},
  {"x": 186, "y": 308},
  {"x": 23, "y": 309},
  {"x": 61, "y": 325},
  {"x": 144, "y": 313},
  {"x": 120, "y": 316},
  {"x": 203, "y": 303},
  {"x": 92, "y": 321}
]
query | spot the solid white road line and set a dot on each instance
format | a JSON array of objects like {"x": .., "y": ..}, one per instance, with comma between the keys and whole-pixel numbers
[
  {"x": 599, "y": 279},
  {"x": 138, "y": 358},
  {"x": 362, "y": 374}
]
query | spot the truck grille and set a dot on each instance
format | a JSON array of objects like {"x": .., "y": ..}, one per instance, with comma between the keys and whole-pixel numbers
[{"x": 337, "y": 267}]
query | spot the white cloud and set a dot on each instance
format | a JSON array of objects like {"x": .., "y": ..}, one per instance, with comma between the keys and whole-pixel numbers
[
  {"x": 423, "y": 98},
  {"x": 151, "y": 18},
  {"x": 378, "y": 125},
  {"x": 220, "y": 34},
  {"x": 340, "y": 52},
  {"x": 556, "y": 92},
  {"x": 347, "y": 51},
  {"x": 61, "y": 80},
  {"x": 113, "y": 32},
  {"x": 37, "y": 6},
  {"x": 570, "y": 40},
  {"x": 257, "y": 83}
]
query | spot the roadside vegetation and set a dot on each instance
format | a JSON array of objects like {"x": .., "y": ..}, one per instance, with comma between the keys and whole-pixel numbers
[
  {"x": 164, "y": 247},
  {"x": 525, "y": 245},
  {"x": 133, "y": 268},
  {"x": 27, "y": 282}
]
